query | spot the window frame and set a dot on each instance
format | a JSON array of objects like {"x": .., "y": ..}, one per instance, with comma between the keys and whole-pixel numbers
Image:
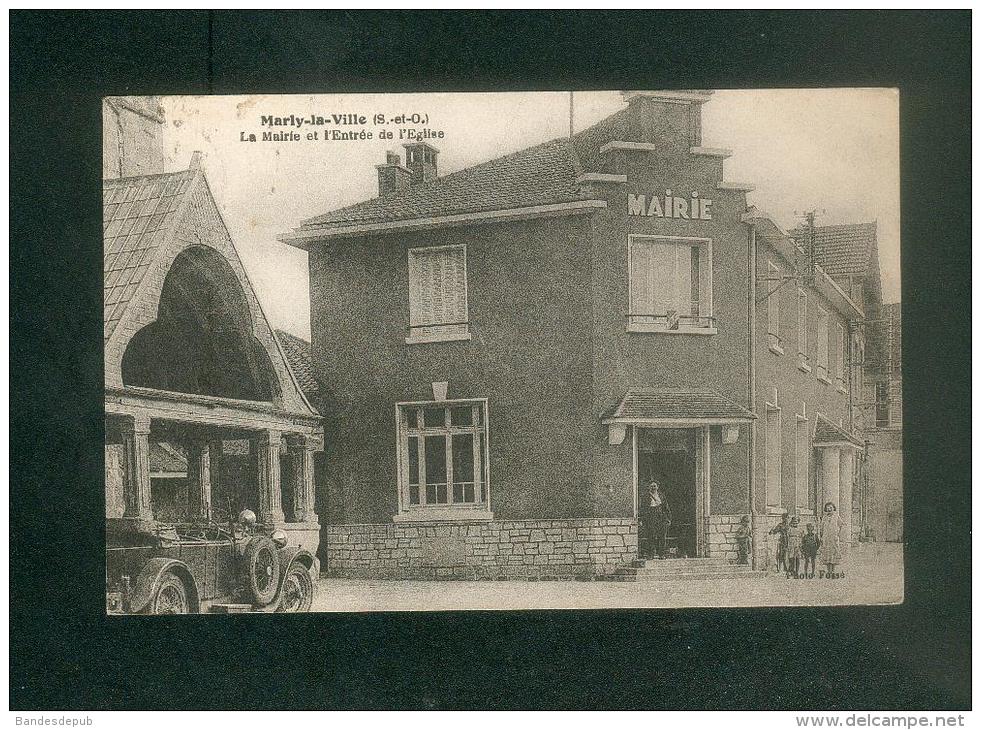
[
  {"x": 705, "y": 301},
  {"x": 823, "y": 362},
  {"x": 803, "y": 359},
  {"x": 450, "y": 510},
  {"x": 448, "y": 333},
  {"x": 841, "y": 357},
  {"x": 773, "y": 508},
  {"x": 805, "y": 507},
  {"x": 773, "y": 308}
]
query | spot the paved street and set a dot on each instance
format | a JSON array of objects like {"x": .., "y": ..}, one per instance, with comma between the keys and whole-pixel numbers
[{"x": 873, "y": 574}]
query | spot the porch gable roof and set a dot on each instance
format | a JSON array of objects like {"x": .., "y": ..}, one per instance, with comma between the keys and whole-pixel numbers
[
  {"x": 827, "y": 433},
  {"x": 670, "y": 405}
]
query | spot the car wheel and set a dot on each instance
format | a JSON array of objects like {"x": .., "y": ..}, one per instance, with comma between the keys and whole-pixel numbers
[
  {"x": 171, "y": 596},
  {"x": 261, "y": 570},
  {"x": 297, "y": 594}
]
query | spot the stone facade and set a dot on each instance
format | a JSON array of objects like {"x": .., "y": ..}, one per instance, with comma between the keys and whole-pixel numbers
[
  {"x": 721, "y": 536},
  {"x": 496, "y": 550}
]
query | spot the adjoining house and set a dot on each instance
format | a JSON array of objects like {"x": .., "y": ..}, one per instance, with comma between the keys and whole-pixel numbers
[
  {"x": 515, "y": 350},
  {"x": 205, "y": 416}
]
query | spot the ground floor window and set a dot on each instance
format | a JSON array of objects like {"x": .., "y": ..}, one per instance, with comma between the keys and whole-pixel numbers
[
  {"x": 774, "y": 453},
  {"x": 443, "y": 455}
]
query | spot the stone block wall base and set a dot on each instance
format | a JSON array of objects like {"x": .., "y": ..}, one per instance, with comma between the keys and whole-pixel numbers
[
  {"x": 496, "y": 550},
  {"x": 721, "y": 536}
]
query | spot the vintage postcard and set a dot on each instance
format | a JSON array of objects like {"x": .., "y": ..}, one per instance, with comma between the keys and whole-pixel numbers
[{"x": 622, "y": 349}]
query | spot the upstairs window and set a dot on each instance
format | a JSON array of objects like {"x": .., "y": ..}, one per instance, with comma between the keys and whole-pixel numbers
[
  {"x": 438, "y": 309},
  {"x": 840, "y": 358},
  {"x": 773, "y": 307},
  {"x": 802, "y": 358},
  {"x": 670, "y": 285},
  {"x": 822, "y": 344},
  {"x": 443, "y": 457}
]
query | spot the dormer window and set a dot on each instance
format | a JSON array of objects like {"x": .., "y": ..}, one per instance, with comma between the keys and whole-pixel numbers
[{"x": 670, "y": 285}]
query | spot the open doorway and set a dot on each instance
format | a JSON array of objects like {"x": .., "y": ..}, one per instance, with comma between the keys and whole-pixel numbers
[{"x": 669, "y": 457}]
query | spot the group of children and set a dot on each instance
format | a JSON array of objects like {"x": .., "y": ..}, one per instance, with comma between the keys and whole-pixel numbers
[{"x": 796, "y": 544}]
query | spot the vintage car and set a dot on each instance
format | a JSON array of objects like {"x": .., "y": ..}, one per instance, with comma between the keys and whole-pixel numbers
[{"x": 196, "y": 568}]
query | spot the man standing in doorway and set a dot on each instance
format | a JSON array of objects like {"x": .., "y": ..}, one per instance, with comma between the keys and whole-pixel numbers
[{"x": 658, "y": 518}]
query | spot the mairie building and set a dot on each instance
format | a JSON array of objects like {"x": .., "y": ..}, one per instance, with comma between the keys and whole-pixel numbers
[{"x": 507, "y": 355}]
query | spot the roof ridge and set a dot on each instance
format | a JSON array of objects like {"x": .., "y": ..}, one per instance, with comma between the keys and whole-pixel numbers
[{"x": 131, "y": 178}]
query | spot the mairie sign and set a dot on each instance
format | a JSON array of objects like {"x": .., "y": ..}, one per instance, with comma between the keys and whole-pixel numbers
[{"x": 670, "y": 206}]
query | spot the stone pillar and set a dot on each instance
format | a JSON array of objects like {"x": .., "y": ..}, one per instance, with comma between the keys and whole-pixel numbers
[
  {"x": 301, "y": 478},
  {"x": 270, "y": 494},
  {"x": 830, "y": 478},
  {"x": 845, "y": 479},
  {"x": 136, "y": 449},
  {"x": 199, "y": 479}
]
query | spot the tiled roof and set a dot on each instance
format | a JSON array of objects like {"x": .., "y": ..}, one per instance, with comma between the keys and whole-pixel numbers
[
  {"x": 540, "y": 175},
  {"x": 675, "y": 404},
  {"x": 138, "y": 213},
  {"x": 826, "y": 432},
  {"x": 842, "y": 250},
  {"x": 297, "y": 351}
]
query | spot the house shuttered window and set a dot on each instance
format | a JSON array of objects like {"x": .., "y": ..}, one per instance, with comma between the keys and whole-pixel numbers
[
  {"x": 802, "y": 458},
  {"x": 774, "y": 457},
  {"x": 802, "y": 358},
  {"x": 773, "y": 306},
  {"x": 822, "y": 343},
  {"x": 670, "y": 284},
  {"x": 438, "y": 294},
  {"x": 841, "y": 343}
]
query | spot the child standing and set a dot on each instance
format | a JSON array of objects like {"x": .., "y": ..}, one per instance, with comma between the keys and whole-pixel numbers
[
  {"x": 792, "y": 554},
  {"x": 744, "y": 536},
  {"x": 809, "y": 544},
  {"x": 780, "y": 549}
]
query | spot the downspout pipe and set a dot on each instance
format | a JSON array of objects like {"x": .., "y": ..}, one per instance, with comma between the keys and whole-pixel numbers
[{"x": 751, "y": 302}]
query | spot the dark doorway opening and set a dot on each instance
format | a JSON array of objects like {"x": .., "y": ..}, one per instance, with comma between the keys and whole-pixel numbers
[{"x": 667, "y": 456}]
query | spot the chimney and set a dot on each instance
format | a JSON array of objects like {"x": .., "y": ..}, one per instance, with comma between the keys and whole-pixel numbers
[
  {"x": 393, "y": 179},
  {"x": 420, "y": 158},
  {"x": 670, "y": 119},
  {"x": 195, "y": 163}
]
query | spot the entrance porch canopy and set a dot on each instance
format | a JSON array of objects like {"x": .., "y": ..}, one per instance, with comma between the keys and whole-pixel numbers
[{"x": 672, "y": 408}]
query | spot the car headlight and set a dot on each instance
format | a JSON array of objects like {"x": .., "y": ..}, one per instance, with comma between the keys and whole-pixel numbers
[{"x": 279, "y": 538}]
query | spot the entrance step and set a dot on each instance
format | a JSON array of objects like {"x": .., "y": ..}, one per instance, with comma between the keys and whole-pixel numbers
[{"x": 683, "y": 569}]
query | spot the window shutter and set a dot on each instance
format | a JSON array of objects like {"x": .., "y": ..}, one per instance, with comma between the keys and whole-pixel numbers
[
  {"x": 640, "y": 270},
  {"x": 456, "y": 285},
  {"x": 420, "y": 288}
]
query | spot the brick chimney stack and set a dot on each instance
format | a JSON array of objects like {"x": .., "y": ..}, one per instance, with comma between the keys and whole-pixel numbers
[
  {"x": 420, "y": 158},
  {"x": 393, "y": 179}
]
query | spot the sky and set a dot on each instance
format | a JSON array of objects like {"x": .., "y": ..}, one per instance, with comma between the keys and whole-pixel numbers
[{"x": 831, "y": 150}]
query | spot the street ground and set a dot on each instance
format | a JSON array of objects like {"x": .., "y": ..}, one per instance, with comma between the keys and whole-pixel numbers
[{"x": 873, "y": 574}]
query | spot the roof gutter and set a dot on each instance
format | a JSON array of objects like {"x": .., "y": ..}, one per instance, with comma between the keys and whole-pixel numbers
[{"x": 302, "y": 238}]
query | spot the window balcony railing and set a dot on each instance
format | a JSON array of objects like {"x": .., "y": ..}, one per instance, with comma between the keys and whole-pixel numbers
[
  {"x": 669, "y": 323},
  {"x": 438, "y": 332}
]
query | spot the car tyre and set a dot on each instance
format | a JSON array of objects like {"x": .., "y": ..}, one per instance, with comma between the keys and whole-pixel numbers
[
  {"x": 261, "y": 570},
  {"x": 297, "y": 593},
  {"x": 171, "y": 596}
]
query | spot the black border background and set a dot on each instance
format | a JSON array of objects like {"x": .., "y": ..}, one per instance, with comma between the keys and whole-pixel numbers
[{"x": 65, "y": 654}]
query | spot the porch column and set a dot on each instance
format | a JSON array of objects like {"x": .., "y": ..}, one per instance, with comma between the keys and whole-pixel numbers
[
  {"x": 830, "y": 478},
  {"x": 136, "y": 452},
  {"x": 270, "y": 496},
  {"x": 846, "y": 476},
  {"x": 215, "y": 452},
  {"x": 199, "y": 478},
  {"x": 301, "y": 478}
]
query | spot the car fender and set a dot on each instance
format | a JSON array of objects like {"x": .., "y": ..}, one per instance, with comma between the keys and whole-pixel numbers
[{"x": 150, "y": 578}]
